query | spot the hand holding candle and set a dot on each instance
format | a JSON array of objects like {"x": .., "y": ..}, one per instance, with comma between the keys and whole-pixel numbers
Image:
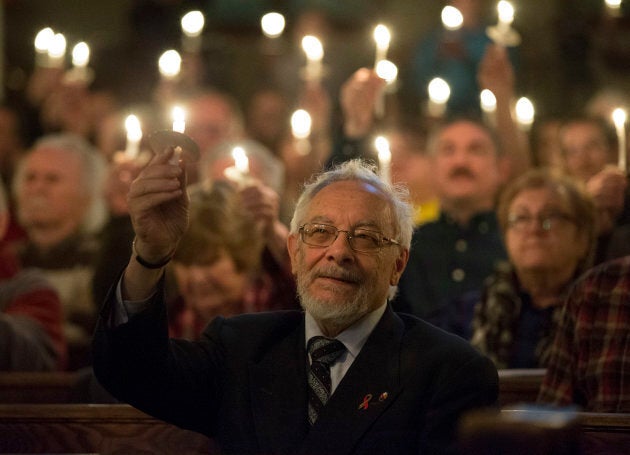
[
  {"x": 239, "y": 173},
  {"x": 382, "y": 37}
]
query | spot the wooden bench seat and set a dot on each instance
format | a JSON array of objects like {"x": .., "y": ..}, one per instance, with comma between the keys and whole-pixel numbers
[{"x": 519, "y": 385}]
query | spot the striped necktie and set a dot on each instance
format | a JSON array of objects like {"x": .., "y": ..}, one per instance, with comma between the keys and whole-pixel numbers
[{"x": 323, "y": 352}]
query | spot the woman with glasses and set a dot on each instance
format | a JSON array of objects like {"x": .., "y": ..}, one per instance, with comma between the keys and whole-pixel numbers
[{"x": 549, "y": 228}]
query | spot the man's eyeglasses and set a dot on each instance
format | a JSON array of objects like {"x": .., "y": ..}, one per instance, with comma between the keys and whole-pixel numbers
[
  {"x": 362, "y": 240},
  {"x": 546, "y": 221}
]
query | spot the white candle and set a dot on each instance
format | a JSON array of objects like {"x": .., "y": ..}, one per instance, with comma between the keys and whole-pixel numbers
[
  {"x": 505, "y": 12},
  {"x": 525, "y": 113},
  {"x": 301, "y": 124},
  {"x": 389, "y": 72},
  {"x": 314, "y": 51},
  {"x": 80, "y": 59},
  {"x": 613, "y": 7},
  {"x": 488, "y": 104},
  {"x": 619, "y": 118},
  {"x": 43, "y": 40},
  {"x": 382, "y": 37},
  {"x": 57, "y": 51},
  {"x": 503, "y": 34},
  {"x": 439, "y": 93},
  {"x": 384, "y": 158},
  {"x": 134, "y": 136},
  {"x": 192, "y": 26},
  {"x": 179, "y": 119},
  {"x": 272, "y": 24},
  {"x": 170, "y": 63}
]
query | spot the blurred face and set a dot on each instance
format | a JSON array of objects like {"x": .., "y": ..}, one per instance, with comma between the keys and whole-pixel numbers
[
  {"x": 210, "y": 121},
  {"x": 51, "y": 193},
  {"x": 585, "y": 150},
  {"x": 267, "y": 117},
  {"x": 337, "y": 284},
  {"x": 466, "y": 166},
  {"x": 212, "y": 289},
  {"x": 542, "y": 235}
]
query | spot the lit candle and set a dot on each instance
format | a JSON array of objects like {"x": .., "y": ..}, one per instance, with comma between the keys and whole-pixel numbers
[
  {"x": 43, "y": 40},
  {"x": 179, "y": 119},
  {"x": 452, "y": 18},
  {"x": 301, "y": 124},
  {"x": 192, "y": 26},
  {"x": 389, "y": 72},
  {"x": 272, "y": 24},
  {"x": 382, "y": 37},
  {"x": 525, "y": 113},
  {"x": 439, "y": 93},
  {"x": 503, "y": 34},
  {"x": 619, "y": 118},
  {"x": 384, "y": 158},
  {"x": 134, "y": 136},
  {"x": 314, "y": 51},
  {"x": 57, "y": 51},
  {"x": 239, "y": 173},
  {"x": 170, "y": 63},
  {"x": 80, "y": 59},
  {"x": 488, "y": 106}
]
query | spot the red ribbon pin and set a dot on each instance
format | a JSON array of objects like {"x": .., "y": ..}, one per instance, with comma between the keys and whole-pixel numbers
[{"x": 366, "y": 401}]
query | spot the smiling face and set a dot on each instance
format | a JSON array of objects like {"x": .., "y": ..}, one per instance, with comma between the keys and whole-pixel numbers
[
  {"x": 336, "y": 284},
  {"x": 557, "y": 249}
]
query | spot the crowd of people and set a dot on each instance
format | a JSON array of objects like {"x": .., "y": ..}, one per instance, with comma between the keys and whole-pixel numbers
[{"x": 517, "y": 248}]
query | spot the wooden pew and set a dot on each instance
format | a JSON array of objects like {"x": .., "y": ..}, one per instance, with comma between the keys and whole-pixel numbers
[
  {"x": 92, "y": 428},
  {"x": 519, "y": 385},
  {"x": 37, "y": 387},
  {"x": 540, "y": 430}
]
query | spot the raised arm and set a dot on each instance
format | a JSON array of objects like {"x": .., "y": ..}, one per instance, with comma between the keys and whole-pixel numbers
[{"x": 158, "y": 206}]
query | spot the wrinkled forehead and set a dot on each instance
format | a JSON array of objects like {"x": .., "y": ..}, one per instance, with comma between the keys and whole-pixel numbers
[{"x": 350, "y": 202}]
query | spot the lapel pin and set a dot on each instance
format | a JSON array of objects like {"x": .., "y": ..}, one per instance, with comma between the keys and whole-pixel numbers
[
  {"x": 366, "y": 401},
  {"x": 383, "y": 396}
]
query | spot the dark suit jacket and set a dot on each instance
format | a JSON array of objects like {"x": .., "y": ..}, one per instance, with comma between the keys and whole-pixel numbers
[{"x": 245, "y": 383}]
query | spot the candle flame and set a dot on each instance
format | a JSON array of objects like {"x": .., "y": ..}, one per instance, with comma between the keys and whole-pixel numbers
[
  {"x": 301, "y": 124},
  {"x": 134, "y": 130},
  {"x": 387, "y": 70},
  {"x": 241, "y": 162},
  {"x": 43, "y": 39},
  {"x": 525, "y": 111},
  {"x": 619, "y": 116},
  {"x": 57, "y": 48},
  {"x": 170, "y": 63},
  {"x": 192, "y": 23},
  {"x": 272, "y": 24},
  {"x": 506, "y": 12},
  {"x": 80, "y": 54},
  {"x": 452, "y": 18},
  {"x": 382, "y": 36},
  {"x": 439, "y": 90},
  {"x": 179, "y": 119},
  {"x": 313, "y": 48},
  {"x": 488, "y": 101}
]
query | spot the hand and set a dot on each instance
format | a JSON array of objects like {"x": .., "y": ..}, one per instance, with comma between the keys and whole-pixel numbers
[
  {"x": 122, "y": 171},
  {"x": 608, "y": 189},
  {"x": 358, "y": 100},
  {"x": 158, "y": 206},
  {"x": 263, "y": 203},
  {"x": 496, "y": 73}
]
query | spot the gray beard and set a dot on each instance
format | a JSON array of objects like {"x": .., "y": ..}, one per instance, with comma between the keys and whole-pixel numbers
[{"x": 340, "y": 314}]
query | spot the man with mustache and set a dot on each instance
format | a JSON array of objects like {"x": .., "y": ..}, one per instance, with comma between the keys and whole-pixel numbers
[
  {"x": 386, "y": 383},
  {"x": 452, "y": 255}
]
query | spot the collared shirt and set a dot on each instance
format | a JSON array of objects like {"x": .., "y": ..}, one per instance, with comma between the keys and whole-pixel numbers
[
  {"x": 590, "y": 359},
  {"x": 353, "y": 338},
  {"x": 446, "y": 261}
]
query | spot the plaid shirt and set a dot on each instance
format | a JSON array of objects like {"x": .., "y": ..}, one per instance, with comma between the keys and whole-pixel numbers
[{"x": 590, "y": 358}]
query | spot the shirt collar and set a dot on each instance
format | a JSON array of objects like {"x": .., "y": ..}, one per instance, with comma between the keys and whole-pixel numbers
[{"x": 355, "y": 336}]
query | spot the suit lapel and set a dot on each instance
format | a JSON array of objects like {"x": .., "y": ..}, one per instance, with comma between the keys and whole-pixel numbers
[
  {"x": 279, "y": 395},
  {"x": 369, "y": 387}
]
